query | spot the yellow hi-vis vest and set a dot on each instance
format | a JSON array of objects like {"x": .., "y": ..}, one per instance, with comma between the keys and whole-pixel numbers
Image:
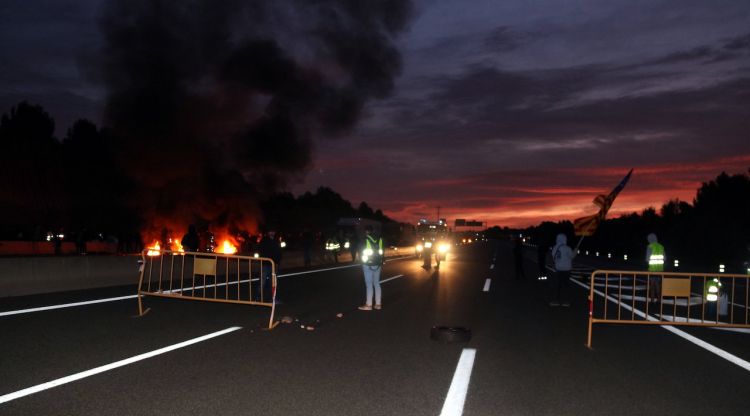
[
  {"x": 711, "y": 292},
  {"x": 656, "y": 259},
  {"x": 373, "y": 252}
]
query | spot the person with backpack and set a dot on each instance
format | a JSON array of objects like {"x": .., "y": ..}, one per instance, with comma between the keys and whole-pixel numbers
[
  {"x": 372, "y": 262},
  {"x": 563, "y": 256}
]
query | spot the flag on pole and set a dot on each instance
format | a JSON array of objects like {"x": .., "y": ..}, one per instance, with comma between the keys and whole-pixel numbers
[{"x": 586, "y": 226}]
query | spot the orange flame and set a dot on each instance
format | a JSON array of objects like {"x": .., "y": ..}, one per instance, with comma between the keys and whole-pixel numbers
[
  {"x": 227, "y": 248},
  {"x": 154, "y": 250},
  {"x": 175, "y": 246}
]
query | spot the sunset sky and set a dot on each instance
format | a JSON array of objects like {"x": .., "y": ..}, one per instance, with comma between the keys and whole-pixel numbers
[{"x": 508, "y": 112}]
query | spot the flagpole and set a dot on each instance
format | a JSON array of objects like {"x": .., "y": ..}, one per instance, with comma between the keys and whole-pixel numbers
[{"x": 579, "y": 243}]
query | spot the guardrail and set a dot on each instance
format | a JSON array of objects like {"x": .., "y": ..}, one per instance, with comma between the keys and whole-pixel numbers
[
  {"x": 657, "y": 298},
  {"x": 208, "y": 277}
]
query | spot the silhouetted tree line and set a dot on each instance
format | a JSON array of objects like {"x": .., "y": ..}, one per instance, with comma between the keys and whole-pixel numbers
[
  {"x": 74, "y": 185},
  {"x": 52, "y": 185},
  {"x": 713, "y": 230},
  {"x": 319, "y": 210}
]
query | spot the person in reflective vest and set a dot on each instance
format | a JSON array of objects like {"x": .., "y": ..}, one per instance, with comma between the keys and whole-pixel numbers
[
  {"x": 333, "y": 246},
  {"x": 372, "y": 262},
  {"x": 713, "y": 295},
  {"x": 654, "y": 254},
  {"x": 711, "y": 292},
  {"x": 655, "y": 258}
]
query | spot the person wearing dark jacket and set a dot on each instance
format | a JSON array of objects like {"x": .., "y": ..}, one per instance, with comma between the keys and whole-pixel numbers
[
  {"x": 269, "y": 247},
  {"x": 191, "y": 241}
]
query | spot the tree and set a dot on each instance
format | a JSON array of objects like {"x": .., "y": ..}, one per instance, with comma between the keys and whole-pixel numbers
[
  {"x": 722, "y": 219},
  {"x": 30, "y": 179}
]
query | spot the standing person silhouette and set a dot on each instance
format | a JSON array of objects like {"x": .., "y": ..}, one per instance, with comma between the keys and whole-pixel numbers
[
  {"x": 563, "y": 256},
  {"x": 191, "y": 240},
  {"x": 372, "y": 263}
]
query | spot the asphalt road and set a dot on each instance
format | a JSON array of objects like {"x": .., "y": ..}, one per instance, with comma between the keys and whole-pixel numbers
[{"x": 529, "y": 358}]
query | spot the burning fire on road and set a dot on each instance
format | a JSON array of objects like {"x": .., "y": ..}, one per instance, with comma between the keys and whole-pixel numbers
[{"x": 228, "y": 245}]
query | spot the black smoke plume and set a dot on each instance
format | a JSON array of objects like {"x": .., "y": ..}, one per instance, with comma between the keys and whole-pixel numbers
[{"x": 217, "y": 103}]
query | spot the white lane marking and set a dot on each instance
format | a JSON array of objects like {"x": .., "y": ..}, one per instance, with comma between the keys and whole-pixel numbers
[
  {"x": 709, "y": 347},
  {"x": 391, "y": 278},
  {"x": 454, "y": 401},
  {"x": 64, "y": 380},
  {"x": 697, "y": 341},
  {"x": 320, "y": 270},
  {"x": 492, "y": 266},
  {"x": 66, "y": 305},
  {"x": 682, "y": 319},
  {"x": 487, "y": 285},
  {"x": 187, "y": 289}
]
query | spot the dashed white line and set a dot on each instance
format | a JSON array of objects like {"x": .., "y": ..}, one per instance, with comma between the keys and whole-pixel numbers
[
  {"x": 454, "y": 401},
  {"x": 487, "y": 285},
  {"x": 64, "y": 380}
]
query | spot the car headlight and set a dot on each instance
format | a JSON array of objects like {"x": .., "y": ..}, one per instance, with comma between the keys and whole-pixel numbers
[
  {"x": 444, "y": 248},
  {"x": 419, "y": 248}
]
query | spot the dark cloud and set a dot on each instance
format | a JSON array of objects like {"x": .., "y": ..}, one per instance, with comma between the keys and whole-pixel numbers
[
  {"x": 559, "y": 106},
  {"x": 205, "y": 94},
  {"x": 738, "y": 43}
]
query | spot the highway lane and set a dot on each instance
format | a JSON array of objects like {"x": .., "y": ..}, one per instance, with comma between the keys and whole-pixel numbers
[
  {"x": 530, "y": 358},
  {"x": 283, "y": 364}
]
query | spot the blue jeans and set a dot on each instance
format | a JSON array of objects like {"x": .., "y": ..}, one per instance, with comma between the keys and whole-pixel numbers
[{"x": 372, "y": 279}]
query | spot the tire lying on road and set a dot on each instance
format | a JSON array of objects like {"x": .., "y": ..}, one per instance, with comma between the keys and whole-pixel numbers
[{"x": 449, "y": 334}]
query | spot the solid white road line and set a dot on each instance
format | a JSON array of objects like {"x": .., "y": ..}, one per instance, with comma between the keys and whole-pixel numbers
[
  {"x": 487, "y": 285},
  {"x": 391, "y": 278},
  {"x": 320, "y": 270},
  {"x": 454, "y": 401},
  {"x": 64, "y": 380},
  {"x": 187, "y": 289},
  {"x": 697, "y": 341},
  {"x": 66, "y": 305}
]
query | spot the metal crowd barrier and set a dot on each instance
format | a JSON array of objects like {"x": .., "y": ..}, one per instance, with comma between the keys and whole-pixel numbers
[
  {"x": 658, "y": 298},
  {"x": 206, "y": 277}
]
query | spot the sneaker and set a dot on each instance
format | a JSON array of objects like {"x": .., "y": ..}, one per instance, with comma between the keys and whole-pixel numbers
[
  {"x": 378, "y": 307},
  {"x": 365, "y": 308},
  {"x": 554, "y": 303}
]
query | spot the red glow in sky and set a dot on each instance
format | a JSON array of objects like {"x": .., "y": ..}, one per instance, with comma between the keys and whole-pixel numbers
[{"x": 507, "y": 112}]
